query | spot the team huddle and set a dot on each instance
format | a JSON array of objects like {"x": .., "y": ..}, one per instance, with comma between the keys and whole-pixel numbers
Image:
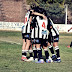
[{"x": 39, "y": 32}]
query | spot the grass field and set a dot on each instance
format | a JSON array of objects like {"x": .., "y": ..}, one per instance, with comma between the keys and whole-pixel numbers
[{"x": 10, "y": 55}]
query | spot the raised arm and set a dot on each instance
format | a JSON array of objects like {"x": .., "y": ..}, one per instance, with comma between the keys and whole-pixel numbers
[
  {"x": 69, "y": 29},
  {"x": 36, "y": 13}
]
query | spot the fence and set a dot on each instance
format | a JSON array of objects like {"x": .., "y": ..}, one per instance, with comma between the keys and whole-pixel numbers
[{"x": 16, "y": 26}]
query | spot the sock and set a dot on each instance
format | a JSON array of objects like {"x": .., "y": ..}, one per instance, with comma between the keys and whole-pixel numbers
[
  {"x": 24, "y": 52},
  {"x": 57, "y": 52},
  {"x": 35, "y": 52},
  {"x": 71, "y": 44},
  {"x": 39, "y": 53},
  {"x": 51, "y": 49},
  {"x": 31, "y": 53},
  {"x": 46, "y": 53}
]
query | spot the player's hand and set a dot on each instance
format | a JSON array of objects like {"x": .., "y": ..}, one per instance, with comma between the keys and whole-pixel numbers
[
  {"x": 45, "y": 17},
  {"x": 51, "y": 27},
  {"x": 68, "y": 30}
]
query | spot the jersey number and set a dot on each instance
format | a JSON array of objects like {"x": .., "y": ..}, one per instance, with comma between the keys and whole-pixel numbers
[
  {"x": 43, "y": 25},
  {"x": 25, "y": 20}
]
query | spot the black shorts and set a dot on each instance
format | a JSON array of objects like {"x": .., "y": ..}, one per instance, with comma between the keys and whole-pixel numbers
[
  {"x": 44, "y": 42},
  {"x": 55, "y": 39},
  {"x": 26, "y": 36},
  {"x": 36, "y": 41},
  {"x": 49, "y": 38}
]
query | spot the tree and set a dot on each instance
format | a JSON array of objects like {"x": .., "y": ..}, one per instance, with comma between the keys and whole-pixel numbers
[
  {"x": 69, "y": 2},
  {"x": 54, "y": 9}
]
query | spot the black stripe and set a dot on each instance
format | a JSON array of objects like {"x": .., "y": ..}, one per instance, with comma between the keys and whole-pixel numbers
[
  {"x": 42, "y": 36},
  {"x": 34, "y": 32},
  {"x": 38, "y": 31},
  {"x": 46, "y": 36},
  {"x": 26, "y": 27}
]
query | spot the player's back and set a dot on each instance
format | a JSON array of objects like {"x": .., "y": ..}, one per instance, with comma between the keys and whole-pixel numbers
[
  {"x": 26, "y": 28},
  {"x": 42, "y": 25}
]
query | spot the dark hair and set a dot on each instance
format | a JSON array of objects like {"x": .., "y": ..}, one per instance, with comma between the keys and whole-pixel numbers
[
  {"x": 33, "y": 6},
  {"x": 41, "y": 10}
]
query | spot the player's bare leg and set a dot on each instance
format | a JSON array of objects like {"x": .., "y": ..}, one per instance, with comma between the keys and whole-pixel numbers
[
  {"x": 27, "y": 44},
  {"x": 69, "y": 46},
  {"x": 26, "y": 49},
  {"x": 23, "y": 50},
  {"x": 24, "y": 44}
]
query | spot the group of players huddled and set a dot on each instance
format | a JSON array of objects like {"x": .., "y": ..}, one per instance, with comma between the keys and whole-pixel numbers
[{"x": 39, "y": 33}]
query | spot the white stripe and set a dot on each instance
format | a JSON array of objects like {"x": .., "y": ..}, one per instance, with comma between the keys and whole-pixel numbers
[
  {"x": 56, "y": 48},
  {"x": 58, "y": 58},
  {"x": 36, "y": 32},
  {"x": 32, "y": 33}
]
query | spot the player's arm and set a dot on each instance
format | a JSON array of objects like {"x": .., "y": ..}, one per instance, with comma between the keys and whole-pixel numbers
[
  {"x": 50, "y": 23},
  {"x": 30, "y": 19},
  {"x": 36, "y": 13},
  {"x": 69, "y": 29},
  {"x": 31, "y": 15}
]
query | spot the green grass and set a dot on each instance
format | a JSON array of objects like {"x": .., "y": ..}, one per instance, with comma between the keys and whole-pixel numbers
[
  {"x": 10, "y": 33},
  {"x": 10, "y": 56}
]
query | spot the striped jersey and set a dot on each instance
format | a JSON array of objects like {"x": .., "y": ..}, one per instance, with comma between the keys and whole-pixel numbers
[
  {"x": 26, "y": 27},
  {"x": 54, "y": 30},
  {"x": 40, "y": 31}
]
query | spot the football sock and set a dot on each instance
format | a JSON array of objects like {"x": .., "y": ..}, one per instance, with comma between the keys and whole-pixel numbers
[
  {"x": 71, "y": 44},
  {"x": 51, "y": 49},
  {"x": 57, "y": 51},
  {"x": 39, "y": 53},
  {"x": 24, "y": 52},
  {"x": 46, "y": 53},
  {"x": 31, "y": 53},
  {"x": 35, "y": 52}
]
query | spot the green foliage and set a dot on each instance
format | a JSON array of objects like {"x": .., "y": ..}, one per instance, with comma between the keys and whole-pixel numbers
[
  {"x": 30, "y": 1},
  {"x": 55, "y": 11},
  {"x": 69, "y": 2},
  {"x": 54, "y": 8},
  {"x": 70, "y": 6}
]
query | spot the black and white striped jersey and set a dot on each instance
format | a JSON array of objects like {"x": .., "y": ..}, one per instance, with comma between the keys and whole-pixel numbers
[
  {"x": 40, "y": 31},
  {"x": 54, "y": 30},
  {"x": 26, "y": 27}
]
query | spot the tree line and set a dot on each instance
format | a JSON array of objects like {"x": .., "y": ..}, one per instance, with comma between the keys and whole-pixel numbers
[{"x": 55, "y": 8}]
